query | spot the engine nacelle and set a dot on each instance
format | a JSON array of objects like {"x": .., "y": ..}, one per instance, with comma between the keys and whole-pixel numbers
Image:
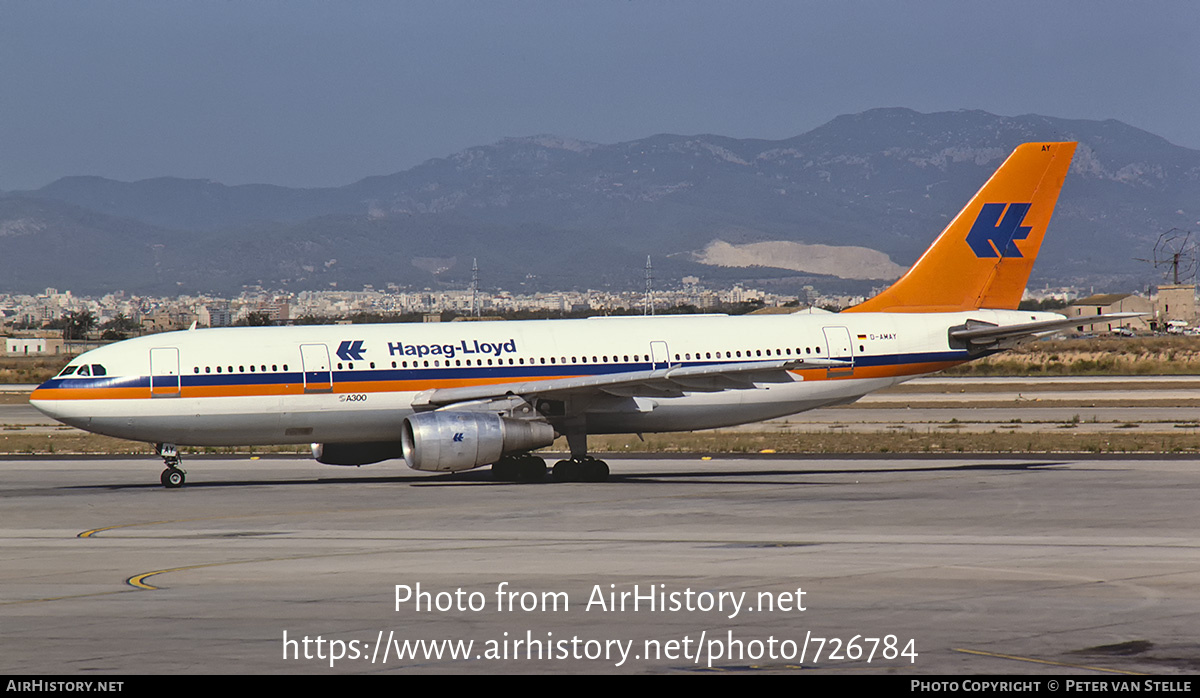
[
  {"x": 356, "y": 454},
  {"x": 460, "y": 440}
]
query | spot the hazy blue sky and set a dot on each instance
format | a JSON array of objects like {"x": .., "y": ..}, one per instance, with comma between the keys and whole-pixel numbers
[{"x": 324, "y": 93}]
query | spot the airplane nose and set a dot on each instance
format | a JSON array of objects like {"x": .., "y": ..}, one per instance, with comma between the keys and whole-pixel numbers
[{"x": 40, "y": 400}]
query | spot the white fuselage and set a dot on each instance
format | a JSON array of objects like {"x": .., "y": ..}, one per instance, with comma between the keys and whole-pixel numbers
[{"x": 356, "y": 383}]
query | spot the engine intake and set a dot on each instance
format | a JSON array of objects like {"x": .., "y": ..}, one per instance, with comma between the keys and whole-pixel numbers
[{"x": 452, "y": 440}]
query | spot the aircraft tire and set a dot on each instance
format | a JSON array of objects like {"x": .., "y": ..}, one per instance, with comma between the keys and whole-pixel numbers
[
  {"x": 595, "y": 471},
  {"x": 564, "y": 471},
  {"x": 172, "y": 478},
  {"x": 503, "y": 470},
  {"x": 531, "y": 469},
  {"x": 585, "y": 469}
]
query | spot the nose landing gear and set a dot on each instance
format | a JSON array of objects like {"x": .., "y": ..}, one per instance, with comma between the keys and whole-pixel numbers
[{"x": 173, "y": 476}]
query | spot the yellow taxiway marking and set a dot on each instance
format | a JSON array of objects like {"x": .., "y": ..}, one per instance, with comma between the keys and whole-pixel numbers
[
  {"x": 139, "y": 580},
  {"x": 1046, "y": 661},
  {"x": 91, "y": 532}
]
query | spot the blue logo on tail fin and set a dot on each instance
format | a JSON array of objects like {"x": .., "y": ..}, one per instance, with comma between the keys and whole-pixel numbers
[{"x": 992, "y": 236}]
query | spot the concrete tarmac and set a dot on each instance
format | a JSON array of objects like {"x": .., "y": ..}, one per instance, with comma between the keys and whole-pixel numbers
[{"x": 957, "y": 565}]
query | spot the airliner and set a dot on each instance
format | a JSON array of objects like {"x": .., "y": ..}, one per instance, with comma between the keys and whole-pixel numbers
[{"x": 456, "y": 396}]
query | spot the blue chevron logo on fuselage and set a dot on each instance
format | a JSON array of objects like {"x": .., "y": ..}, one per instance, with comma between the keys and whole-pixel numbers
[
  {"x": 992, "y": 236},
  {"x": 351, "y": 350}
]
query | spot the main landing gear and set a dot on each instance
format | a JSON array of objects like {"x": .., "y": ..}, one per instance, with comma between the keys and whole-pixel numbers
[
  {"x": 173, "y": 476},
  {"x": 530, "y": 468},
  {"x": 581, "y": 469}
]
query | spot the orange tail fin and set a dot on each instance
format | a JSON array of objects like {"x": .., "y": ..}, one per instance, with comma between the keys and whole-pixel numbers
[{"x": 983, "y": 258}]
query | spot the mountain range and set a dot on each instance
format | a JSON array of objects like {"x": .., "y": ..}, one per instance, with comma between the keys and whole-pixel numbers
[{"x": 844, "y": 205}]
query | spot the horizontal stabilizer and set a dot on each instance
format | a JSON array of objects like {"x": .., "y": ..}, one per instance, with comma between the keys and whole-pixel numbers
[{"x": 981, "y": 333}]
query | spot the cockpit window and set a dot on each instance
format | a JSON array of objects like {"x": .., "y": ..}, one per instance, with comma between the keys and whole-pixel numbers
[
  {"x": 67, "y": 371},
  {"x": 84, "y": 371},
  {"x": 98, "y": 370}
]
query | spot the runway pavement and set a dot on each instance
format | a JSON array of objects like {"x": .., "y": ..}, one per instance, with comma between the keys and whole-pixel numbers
[{"x": 958, "y": 565}]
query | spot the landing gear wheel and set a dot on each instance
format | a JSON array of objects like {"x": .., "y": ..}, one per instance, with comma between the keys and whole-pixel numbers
[
  {"x": 532, "y": 469},
  {"x": 582, "y": 469},
  {"x": 563, "y": 471},
  {"x": 595, "y": 471},
  {"x": 172, "y": 477},
  {"x": 527, "y": 468}
]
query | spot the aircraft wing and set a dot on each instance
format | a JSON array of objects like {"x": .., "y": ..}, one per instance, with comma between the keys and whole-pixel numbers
[
  {"x": 673, "y": 381},
  {"x": 980, "y": 333}
]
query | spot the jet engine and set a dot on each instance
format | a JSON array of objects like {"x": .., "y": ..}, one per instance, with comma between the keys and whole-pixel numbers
[{"x": 460, "y": 440}]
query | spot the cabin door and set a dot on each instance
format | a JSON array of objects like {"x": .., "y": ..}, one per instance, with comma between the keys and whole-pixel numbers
[
  {"x": 318, "y": 372},
  {"x": 839, "y": 346},
  {"x": 164, "y": 372},
  {"x": 659, "y": 356}
]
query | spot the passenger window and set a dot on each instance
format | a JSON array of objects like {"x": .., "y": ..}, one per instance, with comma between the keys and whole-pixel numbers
[
  {"x": 195, "y": 369},
  {"x": 252, "y": 368},
  {"x": 274, "y": 367},
  {"x": 241, "y": 369},
  {"x": 208, "y": 369},
  {"x": 218, "y": 369}
]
